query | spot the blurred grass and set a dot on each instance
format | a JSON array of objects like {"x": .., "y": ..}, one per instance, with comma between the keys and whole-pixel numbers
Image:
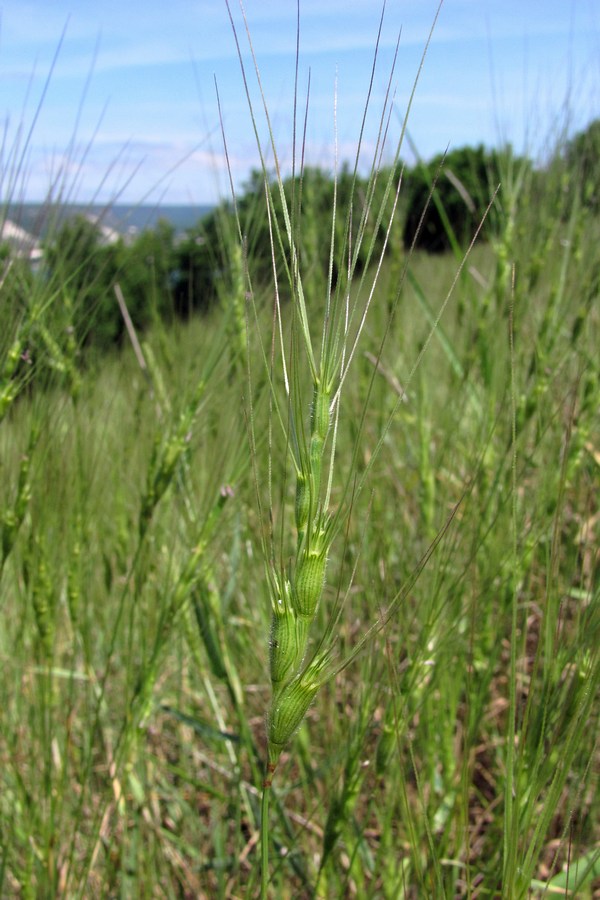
[{"x": 458, "y": 756}]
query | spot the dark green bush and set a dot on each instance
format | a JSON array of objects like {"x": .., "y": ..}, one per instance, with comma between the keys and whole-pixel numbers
[
  {"x": 582, "y": 156},
  {"x": 447, "y": 199}
]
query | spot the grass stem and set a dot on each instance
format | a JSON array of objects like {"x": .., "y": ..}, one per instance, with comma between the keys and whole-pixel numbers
[{"x": 264, "y": 836}]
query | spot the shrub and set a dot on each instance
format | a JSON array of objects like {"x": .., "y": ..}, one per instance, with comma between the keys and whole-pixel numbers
[
  {"x": 582, "y": 155},
  {"x": 463, "y": 182}
]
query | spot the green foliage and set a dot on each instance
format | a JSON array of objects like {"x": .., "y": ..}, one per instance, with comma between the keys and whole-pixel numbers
[
  {"x": 135, "y": 665},
  {"x": 456, "y": 757},
  {"x": 312, "y": 198},
  {"x": 146, "y": 269},
  {"x": 582, "y": 157},
  {"x": 81, "y": 265},
  {"x": 200, "y": 263},
  {"x": 447, "y": 198}
]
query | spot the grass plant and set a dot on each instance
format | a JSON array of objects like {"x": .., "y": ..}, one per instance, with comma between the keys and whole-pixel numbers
[{"x": 302, "y": 599}]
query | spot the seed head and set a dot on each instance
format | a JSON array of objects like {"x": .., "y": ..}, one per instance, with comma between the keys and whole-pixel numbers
[
  {"x": 288, "y": 709},
  {"x": 302, "y": 508},
  {"x": 308, "y": 582},
  {"x": 289, "y": 635}
]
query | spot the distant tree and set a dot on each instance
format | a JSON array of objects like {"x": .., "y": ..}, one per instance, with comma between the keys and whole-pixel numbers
[
  {"x": 146, "y": 269},
  {"x": 16, "y": 285},
  {"x": 83, "y": 267},
  {"x": 318, "y": 208},
  {"x": 462, "y": 182},
  {"x": 206, "y": 257},
  {"x": 582, "y": 155},
  {"x": 200, "y": 261}
]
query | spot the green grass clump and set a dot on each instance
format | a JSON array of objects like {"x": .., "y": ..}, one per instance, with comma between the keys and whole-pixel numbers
[{"x": 317, "y": 569}]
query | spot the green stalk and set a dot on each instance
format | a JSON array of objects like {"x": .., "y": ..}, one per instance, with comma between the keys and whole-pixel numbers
[{"x": 264, "y": 836}]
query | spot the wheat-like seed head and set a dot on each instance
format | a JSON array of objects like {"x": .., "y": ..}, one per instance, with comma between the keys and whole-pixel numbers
[
  {"x": 309, "y": 579},
  {"x": 289, "y": 635},
  {"x": 287, "y": 712},
  {"x": 303, "y": 502}
]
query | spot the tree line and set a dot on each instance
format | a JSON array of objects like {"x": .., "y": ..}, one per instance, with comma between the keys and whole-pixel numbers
[{"x": 162, "y": 275}]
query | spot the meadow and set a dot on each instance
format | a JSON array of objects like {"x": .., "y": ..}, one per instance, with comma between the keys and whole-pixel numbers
[{"x": 300, "y": 594}]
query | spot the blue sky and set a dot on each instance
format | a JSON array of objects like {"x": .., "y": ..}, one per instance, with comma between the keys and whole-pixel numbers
[{"x": 128, "y": 108}]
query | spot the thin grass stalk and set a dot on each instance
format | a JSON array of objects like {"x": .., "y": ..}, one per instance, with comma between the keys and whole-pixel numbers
[
  {"x": 265, "y": 868},
  {"x": 511, "y": 794}
]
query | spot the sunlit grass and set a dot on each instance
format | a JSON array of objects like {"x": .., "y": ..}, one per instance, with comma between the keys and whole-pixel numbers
[{"x": 142, "y": 543}]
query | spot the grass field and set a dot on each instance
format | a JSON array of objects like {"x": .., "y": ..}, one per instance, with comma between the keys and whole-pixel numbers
[{"x": 150, "y": 510}]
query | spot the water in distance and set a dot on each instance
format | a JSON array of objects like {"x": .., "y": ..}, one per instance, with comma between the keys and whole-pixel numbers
[{"x": 37, "y": 218}]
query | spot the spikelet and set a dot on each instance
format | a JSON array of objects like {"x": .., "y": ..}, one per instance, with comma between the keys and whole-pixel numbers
[
  {"x": 9, "y": 386},
  {"x": 309, "y": 579},
  {"x": 54, "y": 353},
  {"x": 287, "y": 711},
  {"x": 289, "y": 635},
  {"x": 156, "y": 377},
  {"x": 12, "y": 359},
  {"x": 166, "y": 455}
]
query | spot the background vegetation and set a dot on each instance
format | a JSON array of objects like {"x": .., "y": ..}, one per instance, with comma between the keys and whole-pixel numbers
[{"x": 458, "y": 755}]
